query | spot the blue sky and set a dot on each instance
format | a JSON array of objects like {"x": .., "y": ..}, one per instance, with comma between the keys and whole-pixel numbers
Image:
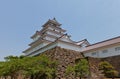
[{"x": 95, "y": 20}]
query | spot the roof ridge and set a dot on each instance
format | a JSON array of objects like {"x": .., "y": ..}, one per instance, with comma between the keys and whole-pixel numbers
[{"x": 104, "y": 41}]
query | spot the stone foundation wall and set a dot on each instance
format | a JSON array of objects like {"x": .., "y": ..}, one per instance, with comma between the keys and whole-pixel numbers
[
  {"x": 67, "y": 57},
  {"x": 94, "y": 71},
  {"x": 94, "y": 62},
  {"x": 64, "y": 58}
]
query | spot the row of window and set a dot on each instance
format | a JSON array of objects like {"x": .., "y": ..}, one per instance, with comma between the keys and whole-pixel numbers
[
  {"x": 56, "y": 30},
  {"x": 117, "y": 49},
  {"x": 106, "y": 51}
]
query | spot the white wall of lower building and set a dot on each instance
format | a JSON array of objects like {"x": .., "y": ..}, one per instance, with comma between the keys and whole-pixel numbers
[
  {"x": 44, "y": 49},
  {"x": 66, "y": 39},
  {"x": 69, "y": 46},
  {"x": 35, "y": 48},
  {"x": 104, "y": 52},
  {"x": 59, "y": 44}
]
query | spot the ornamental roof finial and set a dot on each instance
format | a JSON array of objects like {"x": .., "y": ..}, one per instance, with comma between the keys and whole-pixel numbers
[{"x": 54, "y": 18}]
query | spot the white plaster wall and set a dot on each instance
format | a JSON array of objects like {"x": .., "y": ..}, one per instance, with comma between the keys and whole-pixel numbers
[
  {"x": 35, "y": 48},
  {"x": 44, "y": 49},
  {"x": 68, "y": 46},
  {"x": 36, "y": 37},
  {"x": 100, "y": 54},
  {"x": 54, "y": 34},
  {"x": 65, "y": 39},
  {"x": 57, "y": 30},
  {"x": 60, "y": 44},
  {"x": 50, "y": 28},
  {"x": 46, "y": 43},
  {"x": 50, "y": 39}
]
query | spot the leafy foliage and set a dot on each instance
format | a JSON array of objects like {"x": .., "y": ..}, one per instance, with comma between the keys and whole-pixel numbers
[
  {"x": 108, "y": 69},
  {"x": 81, "y": 69},
  {"x": 32, "y": 67},
  {"x": 70, "y": 69}
]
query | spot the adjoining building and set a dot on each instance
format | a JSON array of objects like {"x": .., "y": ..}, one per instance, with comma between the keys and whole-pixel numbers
[
  {"x": 52, "y": 35},
  {"x": 107, "y": 48}
]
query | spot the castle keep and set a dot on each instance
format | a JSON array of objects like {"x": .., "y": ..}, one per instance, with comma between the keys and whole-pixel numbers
[{"x": 52, "y": 35}]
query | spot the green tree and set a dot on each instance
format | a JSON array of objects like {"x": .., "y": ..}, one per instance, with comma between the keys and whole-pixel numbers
[
  {"x": 70, "y": 70},
  {"x": 40, "y": 67},
  {"x": 3, "y": 70},
  {"x": 11, "y": 67},
  {"x": 80, "y": 69},
  {"x": 9, "y": 58},
  {"x": 107, "y": 69}
]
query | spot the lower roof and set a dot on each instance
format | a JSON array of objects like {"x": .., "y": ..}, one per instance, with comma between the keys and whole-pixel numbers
[{"x": 108, "y": 42}]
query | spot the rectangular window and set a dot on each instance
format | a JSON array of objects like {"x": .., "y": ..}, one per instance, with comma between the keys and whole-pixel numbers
[
  {"x": 94, "y": 53},
  {"x": 104, "y": 51},
  {"x": 117, "y": 49}
]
